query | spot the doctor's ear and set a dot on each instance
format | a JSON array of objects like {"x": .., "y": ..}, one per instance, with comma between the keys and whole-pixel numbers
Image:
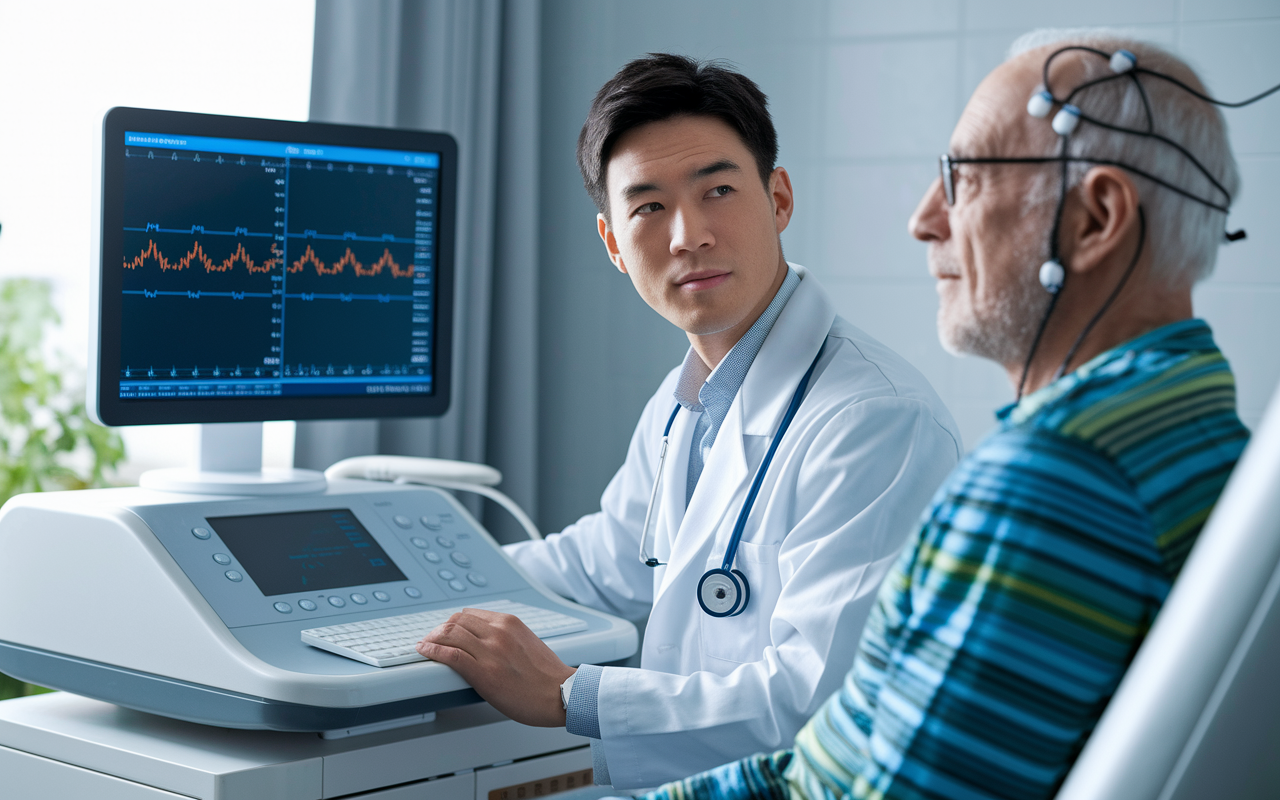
[{"x": 610, "y": 243}]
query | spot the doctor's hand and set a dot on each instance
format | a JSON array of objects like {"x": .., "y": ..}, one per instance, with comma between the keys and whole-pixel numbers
[{"x": 504, "y": 661}]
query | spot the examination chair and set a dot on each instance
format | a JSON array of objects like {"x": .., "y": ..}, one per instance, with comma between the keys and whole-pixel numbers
[{"x": 1198, "y": 713}]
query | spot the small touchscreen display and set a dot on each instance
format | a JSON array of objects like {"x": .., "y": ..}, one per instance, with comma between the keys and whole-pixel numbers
[{"x": 306, "y": 551}]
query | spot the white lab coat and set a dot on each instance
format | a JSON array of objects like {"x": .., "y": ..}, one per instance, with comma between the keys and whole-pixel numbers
[{"x": 869, "y": 446}]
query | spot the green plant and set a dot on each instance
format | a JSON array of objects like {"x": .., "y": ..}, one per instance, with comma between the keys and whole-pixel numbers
[{"x": 47, "y": 440}]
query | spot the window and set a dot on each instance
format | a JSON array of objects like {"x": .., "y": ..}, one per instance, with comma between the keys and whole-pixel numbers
[{"x": 62, "y": 65}]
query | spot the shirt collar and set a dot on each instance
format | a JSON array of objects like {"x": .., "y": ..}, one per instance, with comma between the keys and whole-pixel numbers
[
  {"x": 1185, "y": 335},
  {"x": 698, "y": 385}
]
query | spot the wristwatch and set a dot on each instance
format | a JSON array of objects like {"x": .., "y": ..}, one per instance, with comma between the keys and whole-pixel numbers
[{"x": 566, "y": 688}]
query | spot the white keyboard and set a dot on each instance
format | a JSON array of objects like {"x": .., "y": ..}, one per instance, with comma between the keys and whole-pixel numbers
[{"x": 388, "y": 641}]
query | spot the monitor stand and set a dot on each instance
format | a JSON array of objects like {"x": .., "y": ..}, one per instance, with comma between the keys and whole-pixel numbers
[{"x": 229, "y": 461}]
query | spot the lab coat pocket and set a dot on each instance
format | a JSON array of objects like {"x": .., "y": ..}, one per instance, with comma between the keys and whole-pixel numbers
[{"x": 743, "y": 639}]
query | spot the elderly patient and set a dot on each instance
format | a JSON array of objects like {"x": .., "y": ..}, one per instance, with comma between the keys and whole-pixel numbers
[{"x": 1007, "y": 624}]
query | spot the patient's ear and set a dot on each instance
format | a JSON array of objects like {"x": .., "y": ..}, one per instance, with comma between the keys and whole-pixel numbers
[{"x": 1100, "y": 223}]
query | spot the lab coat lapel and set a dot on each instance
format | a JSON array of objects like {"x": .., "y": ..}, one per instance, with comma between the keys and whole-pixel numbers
[
  {"x": 723, "y": 477},
  {"x": 787, "y": 352}
]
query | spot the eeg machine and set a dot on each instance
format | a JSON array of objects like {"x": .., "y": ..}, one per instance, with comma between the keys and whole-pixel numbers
[{"x": 207, "y": 625}]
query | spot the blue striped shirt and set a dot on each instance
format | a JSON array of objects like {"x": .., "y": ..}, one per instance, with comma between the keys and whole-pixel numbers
[{"x": 1000, "y": 636}]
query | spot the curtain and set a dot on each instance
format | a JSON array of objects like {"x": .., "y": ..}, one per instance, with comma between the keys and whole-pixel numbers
[{"x": 467, "y": 67}]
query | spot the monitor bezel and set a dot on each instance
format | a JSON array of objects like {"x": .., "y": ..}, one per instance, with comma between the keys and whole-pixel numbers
[{"x": 104, "y": 389}]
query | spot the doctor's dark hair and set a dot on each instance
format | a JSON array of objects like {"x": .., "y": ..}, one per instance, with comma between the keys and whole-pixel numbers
[{"x": 661, "y": 86}]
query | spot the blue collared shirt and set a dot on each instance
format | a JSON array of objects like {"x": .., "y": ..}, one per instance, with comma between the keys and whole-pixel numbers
[{"x": 711, "y": 392}]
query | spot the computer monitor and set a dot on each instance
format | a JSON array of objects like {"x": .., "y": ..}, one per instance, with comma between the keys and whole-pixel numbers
[{"x": 254, "y": 270}]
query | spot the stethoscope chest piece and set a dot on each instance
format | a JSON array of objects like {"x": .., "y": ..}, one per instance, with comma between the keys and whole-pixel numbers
[{"x": 724, "y": 592}]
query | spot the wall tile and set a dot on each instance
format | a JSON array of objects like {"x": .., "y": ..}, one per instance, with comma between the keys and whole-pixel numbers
[
  {"x": 1246, "y": 325},
  {"x": 877, "y": 18},
  {"x": 890, "y": 99},
  {"x": 1022, "y": 15},
  {"x": 864, "y": 214},
  {"x": 1256, "y": 210},
  {"x": 1237, "y": 60},
  {"x": 1217, "y": 10}
]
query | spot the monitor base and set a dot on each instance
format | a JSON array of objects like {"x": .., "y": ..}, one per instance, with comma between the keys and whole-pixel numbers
[{"x": 238, "y": 482}]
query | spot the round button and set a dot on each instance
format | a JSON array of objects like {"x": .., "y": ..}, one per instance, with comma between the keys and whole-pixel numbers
[
  {"x": 446, "y": 574},
  {"x": 201, "y": 533},
  {"x": 381, "y": 597},
  {"x": 336, "y": 602},
  {"x": 431, "y": 523},
  {"x": 444, "y": 541},
  {"x": 477, "y": 579},
  {"x": 306, "y": 605},
  {"x": 418, "y": 541},
  {"x": 461, "y": 559},
  {"x": 359, "y": 599},
  {"x": 432, "y": 556},
  {"x": 284, "y": 608},
  {"x": 222, "y": 558},
  {"x": 412, "y": 592},
  {"x": 402, "y": 521},
  {"x": 457, "y": 586},
  {"x": 233, "y": 576}
]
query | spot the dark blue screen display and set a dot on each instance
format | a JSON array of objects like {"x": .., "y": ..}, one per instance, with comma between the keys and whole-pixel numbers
[
  {"x": 306, "y": 551},
  {"x": 270, "y": 269}
]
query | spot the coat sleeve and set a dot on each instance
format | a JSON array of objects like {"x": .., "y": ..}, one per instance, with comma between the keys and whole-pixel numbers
[
  {"x": 595, "y": 560},
  {"x": 857, "y": 485}
]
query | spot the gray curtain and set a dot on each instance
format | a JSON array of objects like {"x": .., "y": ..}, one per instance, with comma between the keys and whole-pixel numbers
[{"x": 445, "y": 65}]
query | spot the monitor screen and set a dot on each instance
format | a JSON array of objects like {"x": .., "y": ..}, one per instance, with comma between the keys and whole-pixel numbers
[
  {"x": 306, "y": 551},
  {"x": 256, "y": 269}
]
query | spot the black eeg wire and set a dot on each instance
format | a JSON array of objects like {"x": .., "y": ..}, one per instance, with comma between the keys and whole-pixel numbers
[{"x": 1150, "y": 133}]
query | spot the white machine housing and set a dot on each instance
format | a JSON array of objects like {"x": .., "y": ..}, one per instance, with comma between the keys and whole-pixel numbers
[{"x": 107, "y": 593}]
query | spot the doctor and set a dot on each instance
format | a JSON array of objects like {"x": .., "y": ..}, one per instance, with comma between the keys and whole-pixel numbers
[{"x": 679, "y": 158}]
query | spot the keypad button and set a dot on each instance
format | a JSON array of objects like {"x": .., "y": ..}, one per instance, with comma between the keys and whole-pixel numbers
[
  {"x": 446, "y": 518},
  {"x": 432, "y": 556},
  {"x": 418, "y": 541},
  {"x": 222, "y": 558},
  {"x": 446, "y": 574},
  {"x": 359, "y": 599},
  {"x": 461, "y": 559},
  {"x": 336, "y": 602},
  {"x": 477, "y": 579},
  {"x": 444, "y": 541},
  {"x": 402, "y": 521},
  {"x": 306, "y": 605},
  {"x": 457, "y": 586},
  {"x": 412, "y": 592},
  {"x": 431, "y": 523},
  {"x": 284, "y": 608},
  {"x": 201, "y": 533},
  {"x": 381, "y": 597},
  {"x": 233, "y": 576}
]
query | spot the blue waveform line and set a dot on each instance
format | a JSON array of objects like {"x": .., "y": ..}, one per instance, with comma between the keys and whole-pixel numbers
[
  {"x": 197, "y": 229},
  {"x": 348, "y": 297},
  {"x": 196, "y": 294},
  {"x": 345, "y": 236},
  {"x": 351, "y": 236}
]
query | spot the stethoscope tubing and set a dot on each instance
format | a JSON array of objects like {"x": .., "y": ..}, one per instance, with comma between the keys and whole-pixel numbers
[{"x": 740, "y": 525}]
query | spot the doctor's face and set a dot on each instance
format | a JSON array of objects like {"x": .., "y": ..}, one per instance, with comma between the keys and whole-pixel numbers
[{"x": 693, "y": 226}]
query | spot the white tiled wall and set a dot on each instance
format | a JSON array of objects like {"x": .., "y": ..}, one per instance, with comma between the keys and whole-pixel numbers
[{"x": 865, "y": 93}]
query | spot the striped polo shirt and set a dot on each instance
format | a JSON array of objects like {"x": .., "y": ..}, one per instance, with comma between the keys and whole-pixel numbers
[{"x": 1001, "y": 634}]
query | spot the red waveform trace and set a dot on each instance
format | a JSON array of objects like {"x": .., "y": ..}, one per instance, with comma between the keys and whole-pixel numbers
[
  {"x": 197, "y": 255},
  {"x": 350, "y": 258}
]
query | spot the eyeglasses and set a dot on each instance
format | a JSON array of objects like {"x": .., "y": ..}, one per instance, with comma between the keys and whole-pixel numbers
[{"x": 946, "y": 166}]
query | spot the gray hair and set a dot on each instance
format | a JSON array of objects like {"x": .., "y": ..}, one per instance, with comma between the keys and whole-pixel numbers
[{"x": 1182, "y": 234}]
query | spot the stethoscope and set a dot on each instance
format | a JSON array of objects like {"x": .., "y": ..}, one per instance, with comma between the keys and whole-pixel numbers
[{"x": 724, "y": 592}]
